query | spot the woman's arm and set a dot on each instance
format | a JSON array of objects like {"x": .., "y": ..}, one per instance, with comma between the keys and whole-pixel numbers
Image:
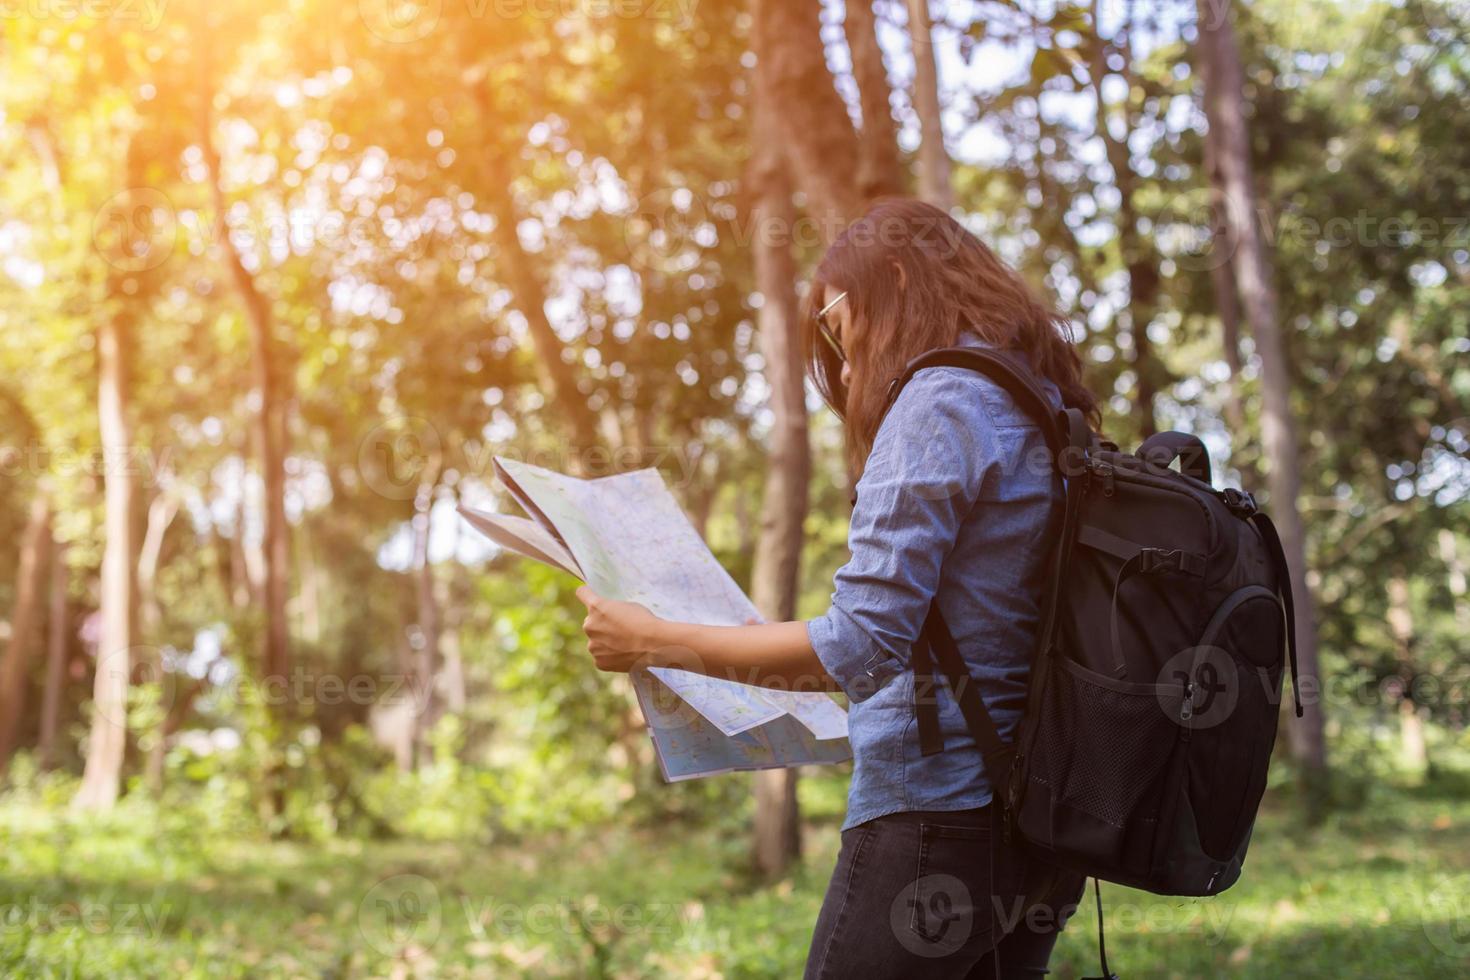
[
  {"x": 624, "y": 635},
  {"x": 923, "y": 477}
]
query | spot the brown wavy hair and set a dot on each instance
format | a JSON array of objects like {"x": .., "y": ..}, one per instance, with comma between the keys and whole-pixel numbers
[{"x": 916, "y": 278}]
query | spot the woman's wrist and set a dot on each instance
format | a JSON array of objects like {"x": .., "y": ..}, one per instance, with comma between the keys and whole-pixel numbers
[
  {"x": 662, "y": 635},
  {"x": 673, "y": 644}
]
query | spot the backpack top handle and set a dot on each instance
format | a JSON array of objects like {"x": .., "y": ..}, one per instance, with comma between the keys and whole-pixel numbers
[{"x": 1162, "y": 448}]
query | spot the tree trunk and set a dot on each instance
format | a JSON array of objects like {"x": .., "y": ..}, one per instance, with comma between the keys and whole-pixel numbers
[
  {"x": 812, "y": 123},
  {"x": 703, "y": 488},
  {"x": 161, "y": 512},
  {"x": 934, "y": 163},
  {"x": 1223, "y": 81},
  {"x": 529, "y": 291},
  {"x": 402, "y": 715},
  {"x": 426, "y": 652},
  {"x": 1227, "y": 307},
  {"x": 450, "y": 684},
  {"x": 584, "y": 428},
  {"x": 102, "y": 775},
  {"x": 878, "y": 171},
  {"x": 269, "y": 429},
  {"x": 1414, "y": 750},
  {"x": 1138, "y": 255},
  {"x": 309, "y": 573},
  {"x": 24, "y": 624},
  {"x": 245, "y": 578},
  {"x": 774, "y": 579},
  {"x": 1455, "y": 577},
  {"x": 56, "y": 649}
]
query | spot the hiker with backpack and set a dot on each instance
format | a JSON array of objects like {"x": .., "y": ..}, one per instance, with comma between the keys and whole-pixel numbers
[{"x": 1062, "y": 660}]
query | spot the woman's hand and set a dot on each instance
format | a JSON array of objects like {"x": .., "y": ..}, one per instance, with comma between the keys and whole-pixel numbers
[
  {"x": 624, "y": 635},
  {"x": 620, "y": 635}
]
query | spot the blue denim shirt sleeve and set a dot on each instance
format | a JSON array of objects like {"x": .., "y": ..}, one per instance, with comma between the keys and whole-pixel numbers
[{"x": 921, "y": 480}]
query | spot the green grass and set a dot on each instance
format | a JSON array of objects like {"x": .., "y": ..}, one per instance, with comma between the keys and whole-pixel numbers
[{"x": 1381, "y": 892}]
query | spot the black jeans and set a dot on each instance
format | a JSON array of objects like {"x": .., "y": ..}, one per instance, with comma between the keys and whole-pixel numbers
[{"x": 931, "y": 894}]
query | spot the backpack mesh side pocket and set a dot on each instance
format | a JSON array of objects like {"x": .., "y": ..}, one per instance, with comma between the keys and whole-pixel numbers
[{"x": 1101, "y": 767}]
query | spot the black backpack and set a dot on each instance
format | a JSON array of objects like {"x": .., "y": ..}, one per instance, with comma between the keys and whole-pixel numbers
[{"x": 1155, "y": 686}]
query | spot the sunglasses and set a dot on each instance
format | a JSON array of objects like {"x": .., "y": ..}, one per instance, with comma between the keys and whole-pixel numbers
[{"x": 824, "y": 327}]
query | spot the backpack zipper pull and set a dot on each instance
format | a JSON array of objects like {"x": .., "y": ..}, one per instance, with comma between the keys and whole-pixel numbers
[{"x": 1186, "y": 710}]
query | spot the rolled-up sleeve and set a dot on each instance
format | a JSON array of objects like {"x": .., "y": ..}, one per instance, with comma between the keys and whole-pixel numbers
[{"x": 922, "y": 478}]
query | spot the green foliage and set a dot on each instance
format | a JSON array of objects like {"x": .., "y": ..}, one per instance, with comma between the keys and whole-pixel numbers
[{"x": 146, "y": 893}]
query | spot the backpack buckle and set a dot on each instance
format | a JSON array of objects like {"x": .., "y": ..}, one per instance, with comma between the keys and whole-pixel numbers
[
  {"x": 1239, "y": 501},
  {"x": 1160, "y": 560}
]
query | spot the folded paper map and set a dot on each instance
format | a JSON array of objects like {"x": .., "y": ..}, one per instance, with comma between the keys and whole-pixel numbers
[{"x": 627, "y": 537}]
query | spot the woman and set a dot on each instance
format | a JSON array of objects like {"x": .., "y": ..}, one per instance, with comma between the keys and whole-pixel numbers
[{"x": 956, "y": 501}]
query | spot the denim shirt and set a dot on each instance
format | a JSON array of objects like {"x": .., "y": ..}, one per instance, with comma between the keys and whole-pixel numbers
[{"x": 958, "y": 498}]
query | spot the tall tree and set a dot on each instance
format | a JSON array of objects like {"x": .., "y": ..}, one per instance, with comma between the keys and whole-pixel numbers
[
  {"x": 1223, "y": 82},
  {"x": 813, "y": 122},
  {"x": 934, "y": 163},
  {"x": 25, "y": 622},
  {"x": 801, "y": 127},
  {"x": 57, "y": 635},
  {"x": 162, "y": 510},
  {"x": 1139, "y": 258},
  {"x": 271, "y": 394},
  {"x": 583, "y": 429},
  {"x": 1227, "y": 305},
  {"x": 428, "y": 613},
  {"x": 878, "y": 171},
  {"x": 774, "y": 579},
  {"x": 102, "y": 775}
]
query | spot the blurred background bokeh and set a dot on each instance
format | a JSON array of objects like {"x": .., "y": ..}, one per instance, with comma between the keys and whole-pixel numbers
[{"x": 278, "y": 278}]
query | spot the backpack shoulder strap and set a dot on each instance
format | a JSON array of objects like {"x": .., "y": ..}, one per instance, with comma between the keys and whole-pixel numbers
[{"x": 1067, "y": 435}]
